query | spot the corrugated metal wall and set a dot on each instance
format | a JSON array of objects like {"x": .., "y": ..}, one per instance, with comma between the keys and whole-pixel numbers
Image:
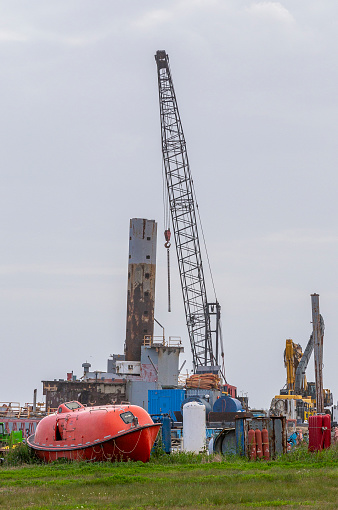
[{"x": 165, "y": 401}]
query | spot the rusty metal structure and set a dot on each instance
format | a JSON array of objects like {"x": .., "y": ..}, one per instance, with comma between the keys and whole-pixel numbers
[
  {"x": 141, "y": 285},
  {"x": 25, "y": 418},
  {"x": 100, "y": 392},
  {"x": 277, "y": 433},
  {"x": 205, "y": 338},
  {"x": 300, "y": 381},
  {"x": 318, "y": 337}
]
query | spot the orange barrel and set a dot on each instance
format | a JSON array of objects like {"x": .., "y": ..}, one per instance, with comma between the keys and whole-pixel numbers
[
  {"x": 259, "y": 447},
  {"x": 265, "y": 444},
  {"x": 315, "y": 432},
  {"x": 252, "y": 444},
  {"x": 326, "y": 431}
]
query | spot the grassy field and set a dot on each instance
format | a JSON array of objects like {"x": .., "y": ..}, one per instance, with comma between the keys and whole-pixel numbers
[{"x": 298, "y": 480}]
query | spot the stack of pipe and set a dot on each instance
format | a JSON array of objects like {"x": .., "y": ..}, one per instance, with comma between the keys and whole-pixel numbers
[{"x": 203, "y": 381}]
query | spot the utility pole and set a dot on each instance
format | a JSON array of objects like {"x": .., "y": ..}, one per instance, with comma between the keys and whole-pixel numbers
[{"x": 318, "y": 352}]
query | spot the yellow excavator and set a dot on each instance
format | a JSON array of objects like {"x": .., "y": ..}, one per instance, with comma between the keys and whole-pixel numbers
[
  {"x": 292, "y": 355},
  {"x": 297, "y": 400}
]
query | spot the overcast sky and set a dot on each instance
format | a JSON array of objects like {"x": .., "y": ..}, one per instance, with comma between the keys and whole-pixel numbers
[{"x": 256, "y": 83}]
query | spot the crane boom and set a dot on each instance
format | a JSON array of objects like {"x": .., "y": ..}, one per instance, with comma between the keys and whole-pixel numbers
[{"x": 183, "y": 214}]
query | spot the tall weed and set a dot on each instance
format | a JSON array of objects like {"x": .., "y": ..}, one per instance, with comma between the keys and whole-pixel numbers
[
  {"x": 18, "y": 455},
  {"x": 301, "y": 454}
]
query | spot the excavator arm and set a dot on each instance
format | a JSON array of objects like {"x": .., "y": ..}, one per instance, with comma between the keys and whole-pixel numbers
[{"x": 292, "y": 355}]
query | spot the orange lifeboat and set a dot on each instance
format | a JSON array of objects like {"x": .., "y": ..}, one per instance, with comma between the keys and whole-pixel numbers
[{"x": 103, "y": 433}]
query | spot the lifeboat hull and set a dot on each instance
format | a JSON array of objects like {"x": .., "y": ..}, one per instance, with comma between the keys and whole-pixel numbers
[{"x": 91, "y": 434}]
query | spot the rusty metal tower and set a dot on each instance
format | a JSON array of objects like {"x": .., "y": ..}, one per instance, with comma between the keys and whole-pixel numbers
[
  {"x": 318, "y": 336},
  {"x": 141, "y": 285},
  {"x": 205, "y": 338}
]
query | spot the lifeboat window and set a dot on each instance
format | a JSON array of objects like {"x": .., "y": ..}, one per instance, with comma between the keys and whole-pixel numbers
[
  {"x": 127, "y": 417},
  {"x": 73, "y": 405}
]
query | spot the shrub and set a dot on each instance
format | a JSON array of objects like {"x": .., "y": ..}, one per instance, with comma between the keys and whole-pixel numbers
[{"x": 20, "y": 454}]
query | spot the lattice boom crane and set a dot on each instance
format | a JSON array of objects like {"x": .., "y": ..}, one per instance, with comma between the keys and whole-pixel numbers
[{"x": 202, "y": 317}]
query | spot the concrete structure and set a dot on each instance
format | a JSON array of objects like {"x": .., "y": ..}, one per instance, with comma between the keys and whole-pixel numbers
[{"x": 141, "y": 285}]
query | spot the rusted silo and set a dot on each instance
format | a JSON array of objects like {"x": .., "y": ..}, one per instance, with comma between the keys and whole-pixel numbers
[{"x": 141, "y": 285}]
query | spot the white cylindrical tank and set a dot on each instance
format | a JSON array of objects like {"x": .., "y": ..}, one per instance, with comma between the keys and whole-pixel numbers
[{"x": 194, "y": 433}]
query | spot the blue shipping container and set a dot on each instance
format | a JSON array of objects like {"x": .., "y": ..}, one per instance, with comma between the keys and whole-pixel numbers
[{"x": 165, "y": 401}]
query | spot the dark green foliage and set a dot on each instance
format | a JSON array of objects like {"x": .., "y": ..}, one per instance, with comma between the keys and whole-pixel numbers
[
  {"x": 157, "y": 451},
  {"x": 18, "y": 455}
]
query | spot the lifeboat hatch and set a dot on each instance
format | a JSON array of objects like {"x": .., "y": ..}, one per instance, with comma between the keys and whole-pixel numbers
[{"x": 58, "y": 435}]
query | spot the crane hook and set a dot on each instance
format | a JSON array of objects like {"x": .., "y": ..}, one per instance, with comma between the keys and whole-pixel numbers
[{"x": 167, "y": 235}]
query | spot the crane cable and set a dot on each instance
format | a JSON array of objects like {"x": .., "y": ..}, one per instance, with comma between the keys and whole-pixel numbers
[
  {"x": 222, "y": 351},
  {"x": 166, "y": 215},
  {"x": 203, "y": 237},
  {"x": 168, "y": 269},
  {"x": 212, "y": 278},
  {"x": 167, "y": 233}
]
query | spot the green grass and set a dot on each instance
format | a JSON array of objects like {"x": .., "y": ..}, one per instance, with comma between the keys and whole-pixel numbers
[{"x": 179, "y": 481}]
